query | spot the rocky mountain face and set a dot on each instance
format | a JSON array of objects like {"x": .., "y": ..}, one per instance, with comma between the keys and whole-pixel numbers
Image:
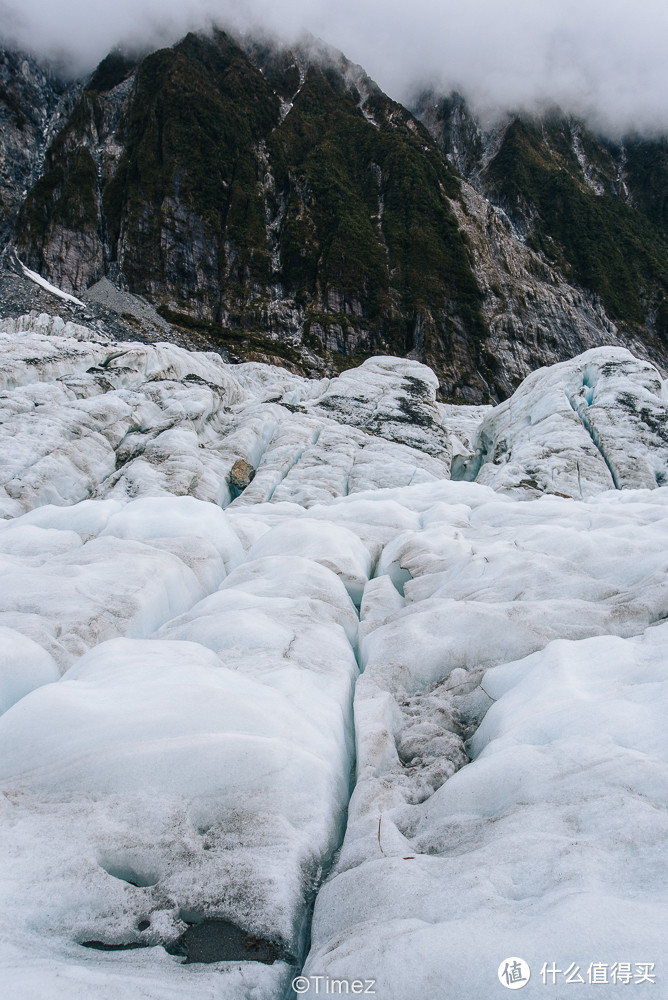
[
  {"x": 276, "y": 205},
  {"x": 596, "y": 209},
  {"x": 568, "y": 231},
  {"x": 33, "y": 105},
  {"x": 267, "y": 192}
]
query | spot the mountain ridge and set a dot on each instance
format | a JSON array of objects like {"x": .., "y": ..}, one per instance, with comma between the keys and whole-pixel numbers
[{"x": 278, "y": 205}]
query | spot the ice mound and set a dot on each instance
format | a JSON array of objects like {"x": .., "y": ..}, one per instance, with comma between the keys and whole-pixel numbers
[{"x": 597, "y": 422}]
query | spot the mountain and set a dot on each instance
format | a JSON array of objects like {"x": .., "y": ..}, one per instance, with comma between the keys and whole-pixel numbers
[
  {"x": 594, "y": 208},
  {"x": 269, "y": 194},
  {"x": 276, "y": 205}
]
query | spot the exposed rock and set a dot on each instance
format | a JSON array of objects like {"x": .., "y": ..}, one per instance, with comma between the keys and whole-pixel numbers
[
  {"x": 568, "y": 233},
  {"x": 534, "y": 316},
  {"x": 241, "y": 474},
  {"x": 33, "y": 104}
]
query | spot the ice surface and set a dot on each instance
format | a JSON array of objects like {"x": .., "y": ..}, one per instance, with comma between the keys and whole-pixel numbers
[
  {"x": 24, "y": 666},
  {"x": 596, "y": 422},
  {"x": 549, "y": 845},
  {"x": 89, "y": 589},
  {"x": 184, "y": 716},
  {"x": 159, "y": 420},
  {"x": 177, "y": 779},
  {"x": 394, "y": 399}
]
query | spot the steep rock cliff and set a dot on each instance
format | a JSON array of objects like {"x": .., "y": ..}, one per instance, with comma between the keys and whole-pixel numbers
[
  {"x": 275, "y": 205},
  {"x": 270, "y": 191},
  {"x": 32, "y": 103},
  {"x": 569, "y": 230}
]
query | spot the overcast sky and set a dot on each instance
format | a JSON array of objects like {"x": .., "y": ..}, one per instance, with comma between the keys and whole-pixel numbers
[{"x": 602, "y": 58}]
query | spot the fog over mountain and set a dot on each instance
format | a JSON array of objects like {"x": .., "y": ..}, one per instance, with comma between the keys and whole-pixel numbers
[{"x": 603, "y": 59}]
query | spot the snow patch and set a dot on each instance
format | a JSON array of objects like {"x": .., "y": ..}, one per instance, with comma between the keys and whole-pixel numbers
[{"x": 39, "y": 280}]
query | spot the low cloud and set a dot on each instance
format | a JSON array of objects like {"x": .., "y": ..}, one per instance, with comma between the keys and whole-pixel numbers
[{"x": 603, "y": 59}]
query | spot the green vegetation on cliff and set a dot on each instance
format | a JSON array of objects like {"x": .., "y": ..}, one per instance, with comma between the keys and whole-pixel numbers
[
  {"x": 646, "y": 165},
  {"x": 367, "y": 222},
  {"x": 114, "y": 69},
  {"x": 64, "y": 197},
  {"x": 189, "y": 170},
  {"x": 614, "y": 247}
]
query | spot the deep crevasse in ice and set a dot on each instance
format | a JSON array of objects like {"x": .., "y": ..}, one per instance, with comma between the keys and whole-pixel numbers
[{"x": 194, "y": 758}]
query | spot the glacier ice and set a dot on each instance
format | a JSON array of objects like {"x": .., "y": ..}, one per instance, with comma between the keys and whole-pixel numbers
[{"x": 410, "y": 678}]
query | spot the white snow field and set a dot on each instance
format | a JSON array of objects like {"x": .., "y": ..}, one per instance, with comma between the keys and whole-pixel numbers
[{"x": 281, "y": 697}]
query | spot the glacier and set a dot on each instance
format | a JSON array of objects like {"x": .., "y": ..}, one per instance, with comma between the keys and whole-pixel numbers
[{"x": 391, "y": 704}]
